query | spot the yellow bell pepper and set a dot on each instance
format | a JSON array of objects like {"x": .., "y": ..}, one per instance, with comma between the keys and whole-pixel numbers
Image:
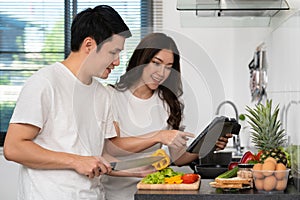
[
  {"x": 174, "y": 180},
  {"x": 165, "y": 162}
]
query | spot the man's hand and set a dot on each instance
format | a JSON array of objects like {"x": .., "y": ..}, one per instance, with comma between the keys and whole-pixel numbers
[
  {"x": 222, "y": 142},
  {"x": 91, "y": 166}
]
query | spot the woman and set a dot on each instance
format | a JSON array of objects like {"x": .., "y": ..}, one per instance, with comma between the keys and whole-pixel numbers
[{"x": 146, "y": 99}]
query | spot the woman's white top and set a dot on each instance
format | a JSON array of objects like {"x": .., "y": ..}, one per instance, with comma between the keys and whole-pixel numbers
[{"x": 135, "y": 117}]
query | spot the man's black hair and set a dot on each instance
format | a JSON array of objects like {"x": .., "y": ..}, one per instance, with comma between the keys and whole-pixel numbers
[{"x": 99, "y": 23}]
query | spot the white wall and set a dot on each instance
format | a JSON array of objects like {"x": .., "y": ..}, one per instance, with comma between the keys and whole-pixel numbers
[
  {"x": 284, "y": 83},
  {"x": 229, "y": 50},
  {"x": 226, "y": 53}
]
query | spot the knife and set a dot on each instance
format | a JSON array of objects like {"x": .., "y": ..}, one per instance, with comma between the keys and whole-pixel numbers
[{"x": 133, "y": 163}]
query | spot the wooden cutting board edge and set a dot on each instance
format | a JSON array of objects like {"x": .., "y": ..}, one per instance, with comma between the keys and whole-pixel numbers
[{"x": 181, "y": 186}]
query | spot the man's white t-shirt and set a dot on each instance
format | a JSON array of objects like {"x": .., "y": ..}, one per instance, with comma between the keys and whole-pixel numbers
[
  {"x": 74, "y": 118},
  {"x": 135, "y": 117}
]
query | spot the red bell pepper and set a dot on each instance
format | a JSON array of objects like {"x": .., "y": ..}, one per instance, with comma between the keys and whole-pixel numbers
[
  {"x": 248, "y": 156},
  {"x": 259, "y": 154},
  {"x": 232, "y": 165}
]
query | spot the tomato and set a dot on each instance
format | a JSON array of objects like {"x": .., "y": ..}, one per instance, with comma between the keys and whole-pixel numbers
[
  {"x": 232, "y": 165},
  {"x": 189, "y": 178},
  {"x": 248, "y": 156}
]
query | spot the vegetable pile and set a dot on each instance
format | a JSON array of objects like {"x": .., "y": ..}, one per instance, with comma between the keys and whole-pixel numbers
[
  {"x": 169, "y": 176},
  {"x": 159, "y": 176}
]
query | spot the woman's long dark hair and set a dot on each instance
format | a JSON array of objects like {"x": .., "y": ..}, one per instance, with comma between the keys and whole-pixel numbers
[{"x": 171, "y": 89}]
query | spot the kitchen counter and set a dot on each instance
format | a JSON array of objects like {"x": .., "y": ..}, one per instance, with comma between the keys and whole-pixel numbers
[{"x": 209, "y": 193}]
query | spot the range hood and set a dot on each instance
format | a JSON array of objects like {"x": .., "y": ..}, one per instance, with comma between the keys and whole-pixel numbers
[{"x": 235, "y": 8}]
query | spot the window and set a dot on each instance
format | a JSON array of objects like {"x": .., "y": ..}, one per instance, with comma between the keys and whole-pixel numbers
[{"x": 35, "y": 33}]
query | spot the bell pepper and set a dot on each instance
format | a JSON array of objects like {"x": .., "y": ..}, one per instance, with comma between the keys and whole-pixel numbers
[
  {"x": 248, "y": 156},
  {"x": 173, "y": 180},
  {"x": 259, "y": 154},
  {"x": 162, "y": 164},
  {"x": 232, "y": 165}
]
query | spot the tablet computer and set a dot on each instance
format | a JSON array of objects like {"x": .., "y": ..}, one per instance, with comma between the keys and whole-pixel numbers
[{"x": 205, "y": 142}]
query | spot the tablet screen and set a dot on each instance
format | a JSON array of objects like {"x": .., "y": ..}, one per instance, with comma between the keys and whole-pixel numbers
[{"x": 206, "y": 140}]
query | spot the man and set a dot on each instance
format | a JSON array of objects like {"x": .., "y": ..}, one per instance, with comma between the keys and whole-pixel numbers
[{"x": 62, "y": 116}]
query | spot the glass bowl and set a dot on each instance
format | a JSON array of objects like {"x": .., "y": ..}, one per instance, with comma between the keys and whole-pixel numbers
[{"x": 268, "y": 181}]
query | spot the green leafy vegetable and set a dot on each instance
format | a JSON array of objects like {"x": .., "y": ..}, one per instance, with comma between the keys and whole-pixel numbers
[{"x": 159, "y": 176}]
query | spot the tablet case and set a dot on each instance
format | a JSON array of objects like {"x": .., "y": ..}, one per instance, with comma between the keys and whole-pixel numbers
[{"x": 206, "y": 140}]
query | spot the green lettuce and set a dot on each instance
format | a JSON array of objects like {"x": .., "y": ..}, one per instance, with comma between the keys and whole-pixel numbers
[{"x": 159, "y": 176}]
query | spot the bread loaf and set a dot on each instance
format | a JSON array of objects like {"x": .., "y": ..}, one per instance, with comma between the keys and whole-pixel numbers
[{"x": 235, "y": 182}]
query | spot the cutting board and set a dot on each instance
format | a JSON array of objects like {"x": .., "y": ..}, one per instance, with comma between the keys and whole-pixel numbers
[{"x": 181, "y": 186}]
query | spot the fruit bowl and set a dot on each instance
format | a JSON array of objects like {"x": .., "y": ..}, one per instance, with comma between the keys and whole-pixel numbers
[{"x": 269, "y": 181}]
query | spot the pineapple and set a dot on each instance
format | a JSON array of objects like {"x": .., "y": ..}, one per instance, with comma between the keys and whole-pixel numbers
[{"x": 265, "y": 132}]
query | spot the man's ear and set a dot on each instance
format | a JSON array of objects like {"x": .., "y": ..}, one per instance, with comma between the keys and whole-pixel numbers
[{"x": 88, "y": 44}]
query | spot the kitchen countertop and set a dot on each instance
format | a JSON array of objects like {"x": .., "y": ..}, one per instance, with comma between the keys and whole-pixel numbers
[{"x": 208, "y": 193}]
